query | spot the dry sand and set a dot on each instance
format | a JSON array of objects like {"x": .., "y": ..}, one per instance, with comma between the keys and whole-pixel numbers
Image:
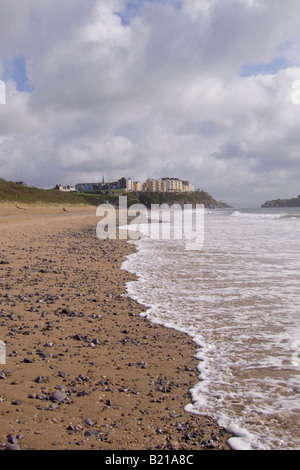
[{"x": 83, "y": 369}]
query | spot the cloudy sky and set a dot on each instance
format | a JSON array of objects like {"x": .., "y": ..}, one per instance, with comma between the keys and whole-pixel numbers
[{"x": 204, "y": 90}]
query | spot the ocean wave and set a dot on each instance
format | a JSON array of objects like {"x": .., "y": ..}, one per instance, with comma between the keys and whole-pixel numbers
[{"x": 253, "y": 215}]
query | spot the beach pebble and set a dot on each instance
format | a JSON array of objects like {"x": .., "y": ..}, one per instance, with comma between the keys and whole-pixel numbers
[
  {"x": 12, "y": 439},
  {"x": 40, "y": 379},
  {"x": 88, "y": 421},
  {"x": 82, "y": 378},
  {"x": 63, "y": 374},
  {"x": 39, "y": 396},
  {"x": 27, "y": 361},
  {"x": 58, "y": 396},
  {"x": 53, "y": 406},
  {"x": 163, "y": 382},
  {"x": 59, "y": 387},
  {"x": 12, "y": 447},
  {"x": 16, "y": 402}
]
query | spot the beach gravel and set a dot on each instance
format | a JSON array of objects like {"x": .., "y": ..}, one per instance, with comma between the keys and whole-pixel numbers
[{"x": 83, "y": 368}]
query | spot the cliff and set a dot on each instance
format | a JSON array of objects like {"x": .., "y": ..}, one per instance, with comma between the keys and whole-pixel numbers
[
  {"x": 294, "y": 202},
  {"x": 196, "y": 197},
  {"x": 20, "y": 193}
]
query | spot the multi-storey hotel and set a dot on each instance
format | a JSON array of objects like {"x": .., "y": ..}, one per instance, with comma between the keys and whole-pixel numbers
[{"x": 164, "y": 185}]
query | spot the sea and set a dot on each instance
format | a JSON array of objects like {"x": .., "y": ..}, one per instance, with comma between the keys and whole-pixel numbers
[{"x": 238, "y": 298}]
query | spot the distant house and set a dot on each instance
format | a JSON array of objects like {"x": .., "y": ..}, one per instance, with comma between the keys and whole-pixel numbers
[
  {"x": 125, "y": 183},
  {"x": 21, "y": 183}
]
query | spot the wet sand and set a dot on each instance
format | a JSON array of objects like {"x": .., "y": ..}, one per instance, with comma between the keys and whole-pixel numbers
[{"x": 84, "y": 371}]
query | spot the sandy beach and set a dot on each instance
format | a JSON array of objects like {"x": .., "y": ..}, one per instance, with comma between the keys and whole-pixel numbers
[{"x": 84, "y": 371}]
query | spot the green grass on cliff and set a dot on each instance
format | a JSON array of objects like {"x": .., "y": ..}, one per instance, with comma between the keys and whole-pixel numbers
[{"x": 15, "y": 193}]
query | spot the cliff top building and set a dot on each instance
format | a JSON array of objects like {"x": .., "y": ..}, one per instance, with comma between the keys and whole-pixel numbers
[
  {"x": 167, "y": 185},
  {"x": 163, "y": 185}
]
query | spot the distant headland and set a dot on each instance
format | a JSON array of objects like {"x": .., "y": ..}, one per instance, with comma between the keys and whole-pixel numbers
[
  {"x": 293, "y": 202},
  {"x": 20, "y": 192}
]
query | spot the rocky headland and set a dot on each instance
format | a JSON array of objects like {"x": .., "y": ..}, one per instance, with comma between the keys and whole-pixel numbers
[{"x": 293, "y": 202}]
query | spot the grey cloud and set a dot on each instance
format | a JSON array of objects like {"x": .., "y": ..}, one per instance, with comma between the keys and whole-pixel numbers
[{"x": 158, "y": 96}]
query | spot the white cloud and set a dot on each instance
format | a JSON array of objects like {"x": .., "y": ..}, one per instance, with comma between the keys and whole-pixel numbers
[{"x": 159, "y": 94}]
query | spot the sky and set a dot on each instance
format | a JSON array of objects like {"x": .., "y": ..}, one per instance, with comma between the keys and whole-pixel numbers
[{"x": 203, "y": 90}]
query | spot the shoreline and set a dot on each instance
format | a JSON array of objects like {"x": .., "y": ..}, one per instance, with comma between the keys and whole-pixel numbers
[{"x": 84, "y": 370}]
